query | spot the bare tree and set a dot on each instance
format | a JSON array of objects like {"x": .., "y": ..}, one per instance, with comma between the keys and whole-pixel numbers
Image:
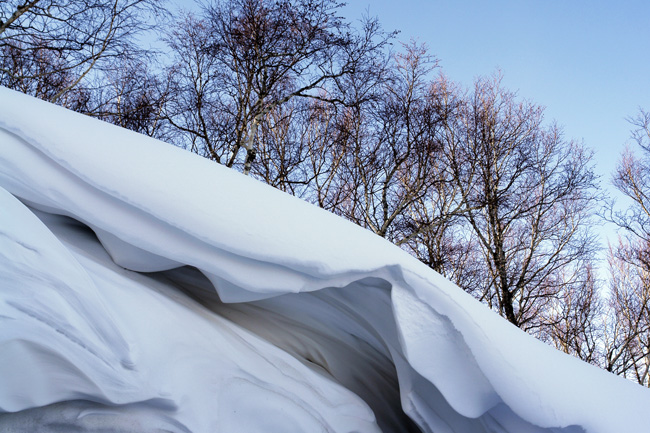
[
  {"x": 47, "y": 72},
  {"x": 248, "y": 57},
  {"x": 194, "y": 108},
  {"x": 574, "y": 322},
  {"x": 632, "y": 178},
  {"x": 131, "y": 96},
  {"x": 433, "y": 227},
  {"x": 326, "y": 139},
  {"x": 390, "y": 146},
  {"x": 528, "y": 198},
  {"x": 284, "y": 143},
  {"x": 628, "y": 335},
  {"x": 78, "y": 36}
]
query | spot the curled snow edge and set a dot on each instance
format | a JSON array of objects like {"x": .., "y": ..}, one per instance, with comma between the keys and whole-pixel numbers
[{"x": 340, "y": 301}]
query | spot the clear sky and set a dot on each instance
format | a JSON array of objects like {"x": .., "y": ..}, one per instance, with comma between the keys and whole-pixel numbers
[{"x": 587, "y": 62}]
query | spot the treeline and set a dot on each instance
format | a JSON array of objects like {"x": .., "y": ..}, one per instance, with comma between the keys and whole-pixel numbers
[{"x": 473, "y": 182}]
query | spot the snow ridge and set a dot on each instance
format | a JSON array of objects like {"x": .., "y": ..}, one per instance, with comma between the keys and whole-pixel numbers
[{"x": 153, "y": 289}]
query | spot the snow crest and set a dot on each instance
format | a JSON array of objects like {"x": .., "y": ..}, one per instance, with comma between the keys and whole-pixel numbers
[{"x": 144, "y": 288}]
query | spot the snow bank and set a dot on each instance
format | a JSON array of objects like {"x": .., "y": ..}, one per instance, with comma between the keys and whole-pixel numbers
[{"x": 145, "y": 288}]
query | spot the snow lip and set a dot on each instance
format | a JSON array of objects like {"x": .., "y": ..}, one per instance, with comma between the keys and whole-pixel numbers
[{"x": 255, "y": 242}]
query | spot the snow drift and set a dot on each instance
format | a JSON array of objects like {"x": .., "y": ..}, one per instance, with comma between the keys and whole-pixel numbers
[{"x": 145, "y": 289}]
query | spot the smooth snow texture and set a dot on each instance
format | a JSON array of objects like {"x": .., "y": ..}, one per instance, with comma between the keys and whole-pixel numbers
[{"x": 144, "y": 288}]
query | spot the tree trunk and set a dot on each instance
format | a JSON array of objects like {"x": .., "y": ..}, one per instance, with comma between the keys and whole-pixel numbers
[{"x": 250, "y": 149}]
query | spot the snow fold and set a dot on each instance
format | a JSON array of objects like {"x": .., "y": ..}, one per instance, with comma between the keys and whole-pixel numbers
[{"x": 145, "y": 288}]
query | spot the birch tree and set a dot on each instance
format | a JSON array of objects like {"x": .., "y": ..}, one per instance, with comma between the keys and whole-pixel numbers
[
  {"x": 529, "y": 198},
  {"x": 260, "y": 54},
  {"x": 628, "y": 334},
  {"x": 391, "y": 145}
]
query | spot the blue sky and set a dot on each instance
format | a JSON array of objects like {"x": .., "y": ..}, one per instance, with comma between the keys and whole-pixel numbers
[{"x": 587, "y": 62}]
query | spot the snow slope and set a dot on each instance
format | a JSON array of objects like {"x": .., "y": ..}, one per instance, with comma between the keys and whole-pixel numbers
[{"x": 143, "y": 288}]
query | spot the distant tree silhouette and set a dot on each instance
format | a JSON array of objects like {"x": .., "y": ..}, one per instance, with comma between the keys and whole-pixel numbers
[{"x": 56, "y": 44}]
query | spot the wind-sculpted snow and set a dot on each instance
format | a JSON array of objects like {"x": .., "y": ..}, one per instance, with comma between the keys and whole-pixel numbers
[{"x": 145, "y": 289}]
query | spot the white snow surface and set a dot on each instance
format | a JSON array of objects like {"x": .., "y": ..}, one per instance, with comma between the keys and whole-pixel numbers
[{"x": 146, "y": 289}]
